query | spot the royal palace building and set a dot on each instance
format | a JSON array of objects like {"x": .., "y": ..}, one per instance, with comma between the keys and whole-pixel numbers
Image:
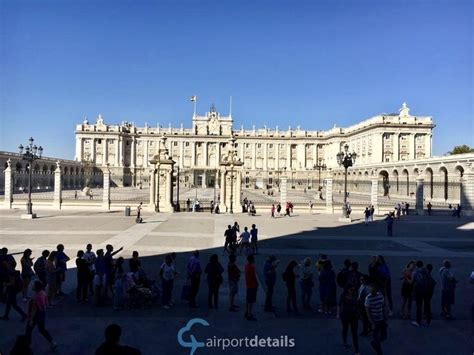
[{"x": 264, "y": 152}]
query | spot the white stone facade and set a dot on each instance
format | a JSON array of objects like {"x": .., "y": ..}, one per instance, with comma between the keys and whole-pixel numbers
[{"x": 264, "y": 152}]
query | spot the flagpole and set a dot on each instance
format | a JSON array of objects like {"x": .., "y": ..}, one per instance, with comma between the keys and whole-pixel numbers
[{"x": 195, "y": 99}]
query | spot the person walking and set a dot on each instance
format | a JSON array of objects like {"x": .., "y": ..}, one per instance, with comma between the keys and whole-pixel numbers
[
  {"x": 269, "y": 272},
  {"x": 287, "y": 209},
  {"x": 14, "y": 286},
  {"x": 194, "y": 276},
  {"x": 407, "y": 290},
  {"x": 430, "y": 207},
  {"x": 214, "y": 272},
  {"x": 167, "y": 274},
  {"x": 273, "y": 210},
  {"x": 376, "y": 313},
  {"x": 307, "y": 284},
  {"x": 252, "y": 286},
  {"x": 233, "y": 274},
  {"x": 40, "y": 266},
  {"x": 37, "y": 315},
  {"x": 139, "y": 212},
  {"x": 27, "y": 272},
  {"x": 372, "y": 212},
  {"x": 342, "y": 275},
  {"x": 228, "y": 239},
  {"x": 349, "y": 315},
  {"x": 448, "y": 287},
  {"x": 279, "y": 209},
  {"x": 82, "y": 277},
  {"x": 254, "y": 239},
  {"x": 289, "y": 277}
]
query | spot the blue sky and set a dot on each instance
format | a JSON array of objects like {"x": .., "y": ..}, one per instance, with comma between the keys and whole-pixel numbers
[{"x": 309, "y": 63}]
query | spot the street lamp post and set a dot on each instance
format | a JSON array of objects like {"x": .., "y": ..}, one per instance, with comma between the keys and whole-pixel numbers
[
  {"x": 346, "y": 160},
  {"x": 177, "y": 209},
  {"x": 320, "y": 167},
  {"x": 232, "y": 159},
  {"x": 32, "y": 153}
]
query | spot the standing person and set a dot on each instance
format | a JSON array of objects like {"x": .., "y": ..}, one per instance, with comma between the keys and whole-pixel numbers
[
  {"x": 367, "y": 216},
  {"x": 279, "y": 209},
  {"x": 75, "y": 195},
  {"x": 310, "y": 207},
  {"x": 385, "y": 280},
  {"x": 306, "y": 283},
  {"x": 287, "y": 209},
  {"x": 194, "y": 276},
  {"x": 40, "y": 267},
  {"x": 407, "y": 290},
  {"x": 37, "y": 314},
  {"x": 354, "y": 275},
  {"x": 347, "y": 312},
  {"x": 134, "y": 264},
  {"x": 235, "y": 234},
  {"x": 188, "y": 205},
  {"x": 14, "y": 286},
  {"x": 273, "y": 210},
  {"x": 407, "y": 208},
  {"x": 90, "y": 257},
  {"x": 139, "y": 212},
  {"x": 252, "y": 286},
  {"x": 109, "y": 267},
  {"x": 82, "y": 277},
  {"x": 254, "y": 239},
  {"x": 364, "y": 290},
  {"x": 430, "y": 286},
  {"x": 26, "y": 272},
  {"x": 398, "y": 209},
  {"x": 111, "y": 345},
  {"x": 389, "y": 220},
  {"x": 372, "y": 212},
  {"x": 289, "y": 277},
  {"x": 376, "y": 313},
  {"x": 420, "y": 288},
  {"x": 233, "y": 273},
  {"x": 61, "y": 264},
  {"x": 327, "y": 287},
  {"x": 167, "y": 274},
  {"x": 214, "y": 272},
  {"x": 342, "y": 275},
  {"x": 448, "y": 287},
  {"x": 51, "y": 277},
  {"x": 269, "y": 272},
  {"x": 430, "y": 207},
  {"x": 245, "y": 240},
  {"x": 99, "y": 278},
  {"x": 228, "y": 239},
  {"x": 212, "y": 207}
]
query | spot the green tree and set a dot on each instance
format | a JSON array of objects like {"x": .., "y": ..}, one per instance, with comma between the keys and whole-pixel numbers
[{"x": 461, "y": 149}]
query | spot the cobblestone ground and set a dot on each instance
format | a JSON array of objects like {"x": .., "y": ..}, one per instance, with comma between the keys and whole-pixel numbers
[{"x": 78, "y": 328}]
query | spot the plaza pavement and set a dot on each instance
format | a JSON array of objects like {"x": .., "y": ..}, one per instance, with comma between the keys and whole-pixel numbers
[{"x": 78, "y": 329}]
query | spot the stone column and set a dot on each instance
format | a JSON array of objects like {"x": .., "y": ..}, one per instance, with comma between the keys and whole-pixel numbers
[
  {"x": 132, "y": 153},
  {"x": 145, "y": 157},
  {"x": 218, "y": 155},
  {"x": 238, "y": 192},
  {"x": 374, "y": 190},
  {"x": 93, "y": 150},
  {"x": 277, "y": 156},
  {"x": 396, "y": 147},
  {"x": 117, "y": 152},
  {"x": 419, "y": 195},
  {"x": 222, "y": 202},
  {"x": 105, "y": 153},
  {"x": 57, "y": 187},
  {"x": 7, "y": 201},
  {"x": 193, "y": 154},
  {"x": 265, "y": 156},
  {"x": 205, "y": 154},
  {"x": 79, "y": 149},
  {"x": 329, "y": 203},
  {"x": 411, "y": 146},
  {"x": 254, "y": 155},
  {"x": 283, "y": 190},
  {"x": 106, "y": 187},
  {"x": 288, "y": 156},
  {"x": 204, "y": 179},
  {"x": 467, "y": 192},
  {"x": 152, "y": 180}
]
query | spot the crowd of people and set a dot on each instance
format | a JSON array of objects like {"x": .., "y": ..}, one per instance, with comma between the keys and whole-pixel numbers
[{"x": 365, "y": 298}]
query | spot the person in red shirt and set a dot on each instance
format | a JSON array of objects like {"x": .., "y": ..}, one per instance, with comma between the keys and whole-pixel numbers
[{"x": 252, "y": 286}]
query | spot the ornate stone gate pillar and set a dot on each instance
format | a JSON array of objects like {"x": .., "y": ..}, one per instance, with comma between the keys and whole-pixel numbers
[
  {"x": 161, "y": 187},
  {"x": 374, "y": 196},
  {"x": 283, "y": 191},
  {"x": 329, "y": 202},
  {"x": 419, "y": 195},
  {"x": 7, "y": 201},
  {"x": 467, "y": 192},
  {"x": 106, "y": 186},
  {"x": 58, "y": 194}
]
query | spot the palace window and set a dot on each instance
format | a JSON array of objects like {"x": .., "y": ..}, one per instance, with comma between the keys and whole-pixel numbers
[
  {"x": 99, "y": 141},
  {"x": 175, "y": 144},
  {"x": 259, "y": 145},
  {"x": 187, "y": 144}
]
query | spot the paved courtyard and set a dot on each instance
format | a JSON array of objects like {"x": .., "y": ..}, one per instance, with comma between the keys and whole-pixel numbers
[{"x": 78, "y": 328}]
